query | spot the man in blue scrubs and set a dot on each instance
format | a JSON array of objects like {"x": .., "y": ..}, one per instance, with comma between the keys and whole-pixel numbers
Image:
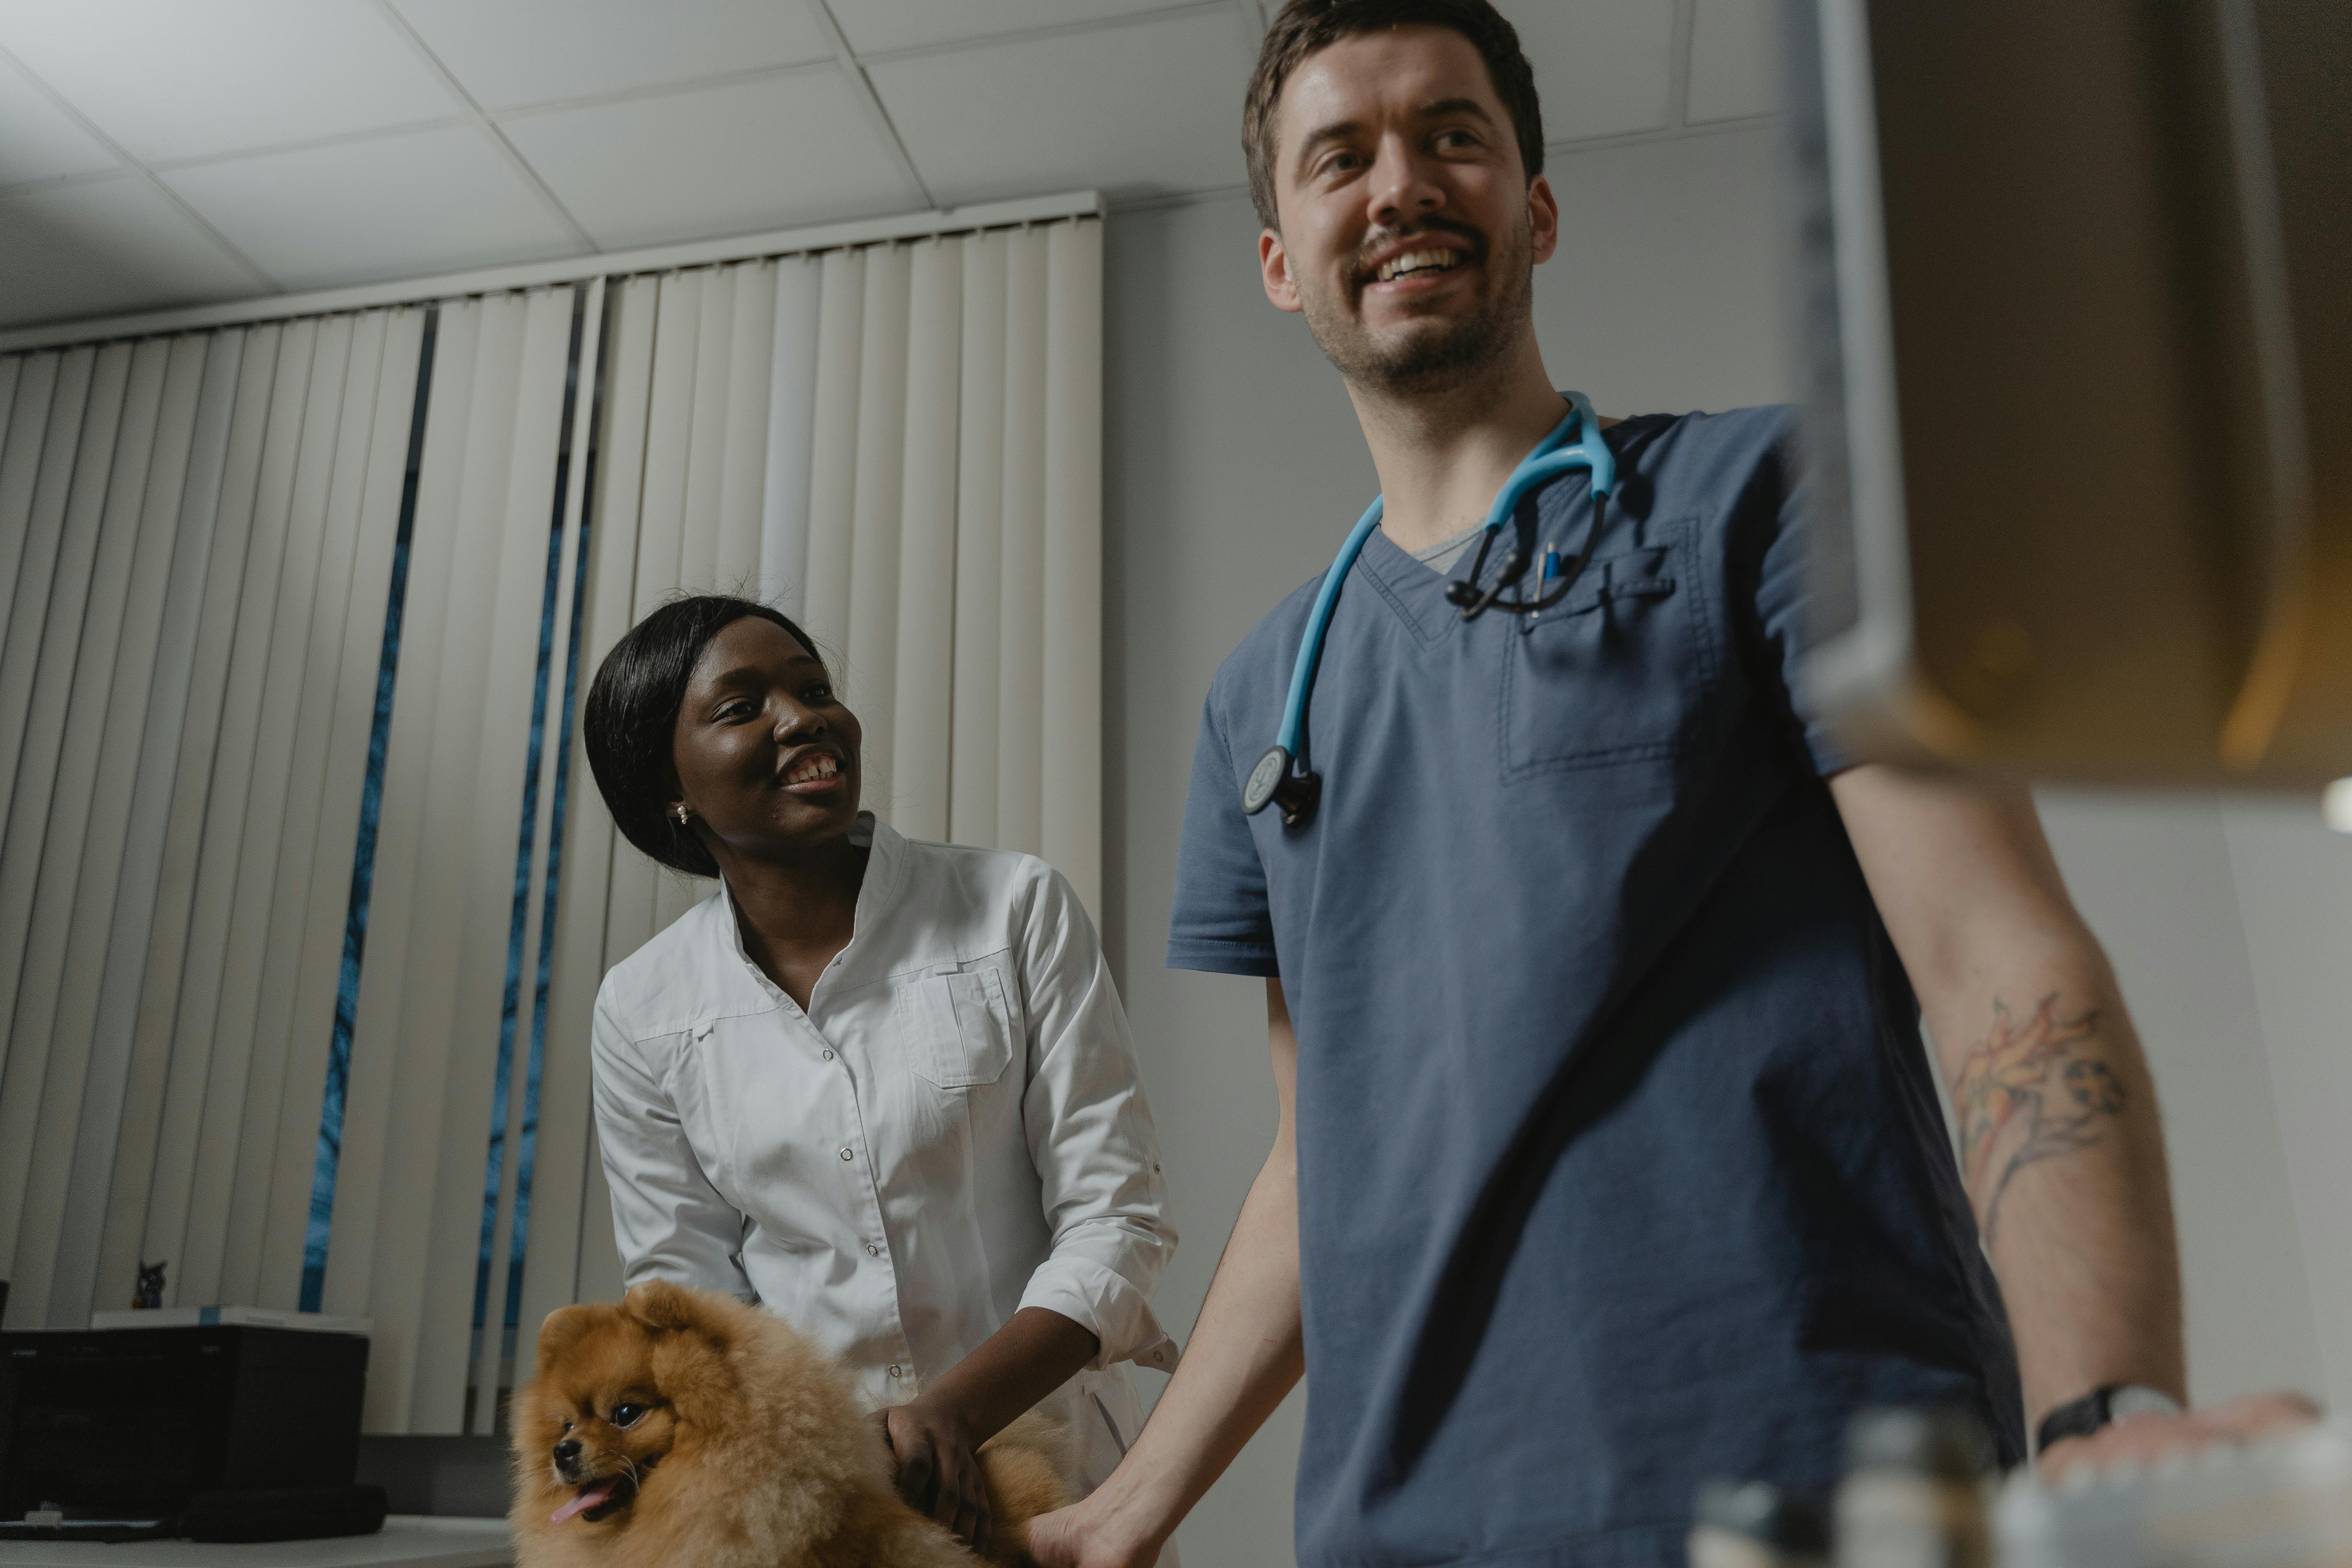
[{"x": 1609, "y": 1157}]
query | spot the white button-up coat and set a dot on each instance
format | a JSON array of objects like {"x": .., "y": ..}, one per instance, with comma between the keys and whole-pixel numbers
[{"x": 954, "y": 1130}]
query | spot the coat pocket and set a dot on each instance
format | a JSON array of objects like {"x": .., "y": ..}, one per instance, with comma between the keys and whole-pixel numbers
[
  {"x": 959, "y": 1029},
  {"x": 1611, "y": 675}
]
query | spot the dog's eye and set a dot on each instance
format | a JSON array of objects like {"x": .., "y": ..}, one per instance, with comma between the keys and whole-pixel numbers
[
  {"x": 626, "y": 1415},
  {"x": 567, "y": 1426}
]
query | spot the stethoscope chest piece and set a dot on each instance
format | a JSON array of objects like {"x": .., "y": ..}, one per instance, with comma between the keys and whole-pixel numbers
[
  {"x": 1272, "y": 783},
  {"x": 1282, "y": 776}
]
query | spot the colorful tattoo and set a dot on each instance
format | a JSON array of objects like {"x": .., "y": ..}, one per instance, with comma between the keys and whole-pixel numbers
[{"x": 2032, "y": 1091}]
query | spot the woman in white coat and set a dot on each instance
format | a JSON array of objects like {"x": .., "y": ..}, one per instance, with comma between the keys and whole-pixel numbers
[{"x": 882, "y": 1087}]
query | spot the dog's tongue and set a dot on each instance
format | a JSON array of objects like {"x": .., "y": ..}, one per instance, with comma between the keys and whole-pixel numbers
[{"x": 582, "y": 1503}]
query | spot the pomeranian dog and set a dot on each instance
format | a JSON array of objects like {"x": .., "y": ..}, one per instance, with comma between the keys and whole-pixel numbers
[{"x": 681, "y": 1428}]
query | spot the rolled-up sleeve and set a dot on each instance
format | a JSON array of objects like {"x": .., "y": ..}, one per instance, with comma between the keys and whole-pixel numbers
[
  {"x": 668, "y": 1221},
  {"x": 1092, "y": 1140}
]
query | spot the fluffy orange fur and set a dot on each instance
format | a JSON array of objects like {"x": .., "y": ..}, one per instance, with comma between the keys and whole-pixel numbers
[{"x": 751, "y": 1450}]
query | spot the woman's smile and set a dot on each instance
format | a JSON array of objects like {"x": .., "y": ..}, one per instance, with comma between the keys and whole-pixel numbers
[{"x": 814, "y": 770}]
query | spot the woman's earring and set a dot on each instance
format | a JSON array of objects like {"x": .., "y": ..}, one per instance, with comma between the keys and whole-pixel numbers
[{"x": 681, "y": 814}]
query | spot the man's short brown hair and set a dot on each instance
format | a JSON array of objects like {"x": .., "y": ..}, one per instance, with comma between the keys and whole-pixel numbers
[{"x": 1306, "y": 27}]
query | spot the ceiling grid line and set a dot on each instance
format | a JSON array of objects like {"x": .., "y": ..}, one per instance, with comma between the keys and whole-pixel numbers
[
  {"x": 863, "y": 86},
  {"x": 309, "y": 143},
  {"x": 1047, "y": 32},
  {"x": 140, "y": 170},
  {"x": 650, "y": 90},
  {"x": 67, "y": 181},
  {"x": 488, "y": 127}
]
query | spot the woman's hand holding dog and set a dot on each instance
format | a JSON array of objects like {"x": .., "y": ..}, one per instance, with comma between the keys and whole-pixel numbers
[
  {"x": 936, "y": 1436},
  {"x": 938, "y": 1466}
]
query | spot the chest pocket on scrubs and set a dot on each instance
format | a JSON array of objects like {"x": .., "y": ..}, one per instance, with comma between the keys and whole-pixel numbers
[
  {"x": 1612, "y": 673},
  {"x": 958, "y": 1029}
]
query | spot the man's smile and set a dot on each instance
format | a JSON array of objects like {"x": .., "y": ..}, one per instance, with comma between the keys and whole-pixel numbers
[
  {"x": 1408, "y": 265},
  {"x": 1414, "y": 263}
]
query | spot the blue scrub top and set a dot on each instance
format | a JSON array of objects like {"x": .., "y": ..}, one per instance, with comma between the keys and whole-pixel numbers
[{"x": 1621, "y": 1165}]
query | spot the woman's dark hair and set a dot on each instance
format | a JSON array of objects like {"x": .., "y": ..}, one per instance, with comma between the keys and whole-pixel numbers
[
  {"x": 630, "y": 722},
  {"x": 1304, "y": 27}
]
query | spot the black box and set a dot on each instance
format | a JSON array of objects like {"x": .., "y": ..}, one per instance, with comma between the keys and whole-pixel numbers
[{"x": 131, "y": 1423}]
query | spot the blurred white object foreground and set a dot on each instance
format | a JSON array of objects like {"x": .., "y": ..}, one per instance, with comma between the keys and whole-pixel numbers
[{"x": 2284, "y": 1502}]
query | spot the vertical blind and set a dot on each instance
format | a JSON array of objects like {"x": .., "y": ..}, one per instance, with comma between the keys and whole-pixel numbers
[{"x": 305, "y": 892}]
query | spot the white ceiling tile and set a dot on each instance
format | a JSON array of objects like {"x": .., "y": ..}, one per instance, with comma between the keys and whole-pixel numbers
[
  {"x": 389, "y": 207},
  {"x": 1134, "y": 110},
  {"x": 508, "y": 53},
  {"x": 715, "y": 160},
  {"x": 167, "y": 79},
  {"x": 1602, "y": 66},
  {"x": 872, "y": 26},
  {"x": 38, "y": 141},
  {"x": 1735, "y": 64},
  {"x": 98, "y": 246}
]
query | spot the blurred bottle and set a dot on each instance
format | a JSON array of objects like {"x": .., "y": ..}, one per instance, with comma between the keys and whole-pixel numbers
[
  {"x": 1753, "y": 1524},
  {"x": 1914, "y": 1493}
]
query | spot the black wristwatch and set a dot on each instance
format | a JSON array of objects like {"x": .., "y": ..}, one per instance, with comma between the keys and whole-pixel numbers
[{"x": 2102, "y": 1407}]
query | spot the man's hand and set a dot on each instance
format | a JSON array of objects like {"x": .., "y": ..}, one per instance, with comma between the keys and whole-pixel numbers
[
  {"x": 2149, "y": 1436},
  {"x": 1248, "y": 1351},
  {"x": 939, "y": 1468},
  {"x": 1088, "y": 1534}
]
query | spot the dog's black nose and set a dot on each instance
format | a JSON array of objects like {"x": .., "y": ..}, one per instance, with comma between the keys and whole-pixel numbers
[{"x": 567, "y": 1452}]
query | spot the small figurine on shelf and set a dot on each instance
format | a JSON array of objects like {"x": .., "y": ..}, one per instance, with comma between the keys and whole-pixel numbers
[{"x": 150, "y": 1285}]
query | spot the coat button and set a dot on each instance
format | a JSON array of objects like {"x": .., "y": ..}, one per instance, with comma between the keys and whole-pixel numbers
[
  {"x": 872, "y": 1250},
  {"x": 846, "y": 1154},
  {"x": 827, "y": 1055},
  {"x": 894, "y": 1369}
]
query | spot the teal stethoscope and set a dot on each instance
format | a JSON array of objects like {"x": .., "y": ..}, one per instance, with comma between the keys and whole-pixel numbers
[{"x": 1282, "y": 776}]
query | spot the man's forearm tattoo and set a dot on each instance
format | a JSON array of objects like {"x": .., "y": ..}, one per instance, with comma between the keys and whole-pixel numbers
[{"x": 2034, "y": 1088}]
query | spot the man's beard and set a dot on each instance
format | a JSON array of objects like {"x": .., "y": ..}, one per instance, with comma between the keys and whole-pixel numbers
[{"x": 1437, "y": 353}]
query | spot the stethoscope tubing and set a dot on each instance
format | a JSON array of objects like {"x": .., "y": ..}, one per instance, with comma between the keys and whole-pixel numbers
[{"x": 1551, "y": 457}]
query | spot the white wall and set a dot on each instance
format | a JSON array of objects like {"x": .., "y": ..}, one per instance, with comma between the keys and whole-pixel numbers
[
  {"x": 1234, "y": 465},
  {"x": 2153, "y": 874}
]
